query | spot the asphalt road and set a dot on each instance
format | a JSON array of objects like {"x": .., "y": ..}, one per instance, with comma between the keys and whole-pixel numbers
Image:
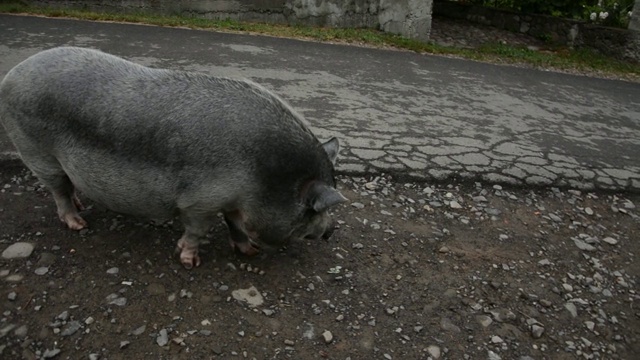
[{"x": 422, "y": 116}]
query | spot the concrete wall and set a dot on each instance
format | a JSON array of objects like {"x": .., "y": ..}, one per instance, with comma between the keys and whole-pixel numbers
[
  {"x": 634, "y": 23},
  {"x": 621, "y": 43},
  {"x": 410, "y": 18}
]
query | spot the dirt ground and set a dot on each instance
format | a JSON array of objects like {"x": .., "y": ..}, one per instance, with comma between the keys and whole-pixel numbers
[{"x": 416, "y": 271}]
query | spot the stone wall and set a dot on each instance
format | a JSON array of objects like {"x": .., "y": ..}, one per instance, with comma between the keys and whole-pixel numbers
[
  {"x": 410, "y": 18},
  {"x": 621, "y": 43}
]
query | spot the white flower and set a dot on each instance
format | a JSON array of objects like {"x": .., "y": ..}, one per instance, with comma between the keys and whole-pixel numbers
[
  {"x": 629, "y": 13},
  {"x": 593, "y": 16},
  {"x": 599, "y": 3},
  {"x": 604, "y": 15}
]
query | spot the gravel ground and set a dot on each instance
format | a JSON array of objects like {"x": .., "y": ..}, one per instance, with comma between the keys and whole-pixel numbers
[{"x": 416, "y": 271}]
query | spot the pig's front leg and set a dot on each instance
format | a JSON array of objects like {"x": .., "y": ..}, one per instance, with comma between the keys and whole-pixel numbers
[
  {"x": 239, "y": 238},
  {"x": 196, "y": 226}
]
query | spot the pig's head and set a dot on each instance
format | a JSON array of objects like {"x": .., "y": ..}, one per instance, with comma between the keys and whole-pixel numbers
[{"x": 306, "y": 216}]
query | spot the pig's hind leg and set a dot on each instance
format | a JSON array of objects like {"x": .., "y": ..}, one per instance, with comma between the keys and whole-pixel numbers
[{"x": 51, "y": 174}]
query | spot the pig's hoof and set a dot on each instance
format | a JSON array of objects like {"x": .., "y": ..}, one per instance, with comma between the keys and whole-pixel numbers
[
  {"x": 74, "y": 221},
  {"x": 188, "y": 254},
  {"x": 189, "y": 260},
  {"x": 248, "y": 248}
]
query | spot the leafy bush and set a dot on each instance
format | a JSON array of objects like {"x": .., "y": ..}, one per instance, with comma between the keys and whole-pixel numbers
[{"x": 605, "y": 12}]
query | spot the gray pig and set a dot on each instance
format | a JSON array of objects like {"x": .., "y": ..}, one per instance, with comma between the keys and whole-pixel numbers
[{"x": 159, "y": 143}]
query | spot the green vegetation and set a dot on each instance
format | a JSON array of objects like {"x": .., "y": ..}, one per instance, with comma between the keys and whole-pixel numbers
[
  {"x": 560, "y": 58},
  {"x": 605, "y": 12}
]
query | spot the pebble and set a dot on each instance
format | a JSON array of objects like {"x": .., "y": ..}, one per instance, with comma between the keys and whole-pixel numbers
[
  {"x": 496, "y": 339},
  {"x": 327, "y": 336},
  {"x": 48, "y": 354},
  {"x": 21, "y": 331},
  {"x": 89, "y": 320},
  {"x": 609, "y": 240},
  {"x": 455, "y": 205},
  {"x": 163, "y": 338},
  {"x": 545, "y": 303},
  {"x": 502, "y": 315},
  {"x": 64, "y": 316},
  {"x": 434, "y": 351},
  {"x": 113, "y": 271},
  {"x": 357, "y": 205},
  {"x": 12, "y": 296},
  {"x": 583, "y": 245},
  {"x": 479, "y": 198},
  {"x": 41, "y": 270},
  {"x": 447, "y": 325},
  {"x": 590, "y": 325},
  {"x": 124, "y": 344},
  {"x": 115, "y": 299},
  {"x": 250, "y": 296},
  {"x": 14, "y": 278},
  {"x": 18, "y": 250},
  {"x": 571, "y": 307},
  {"x": 555, "y": 217},
  {"x": 537, "y": 331},
  {"x": 588, "y": 211},
  {"x": 493, "y": 356},
  {"x": 46, "y": 259},
  {"x": 484, "y": 320},
  {"x": 71, "y": 328},
  {"x": 139, "y": 331}
]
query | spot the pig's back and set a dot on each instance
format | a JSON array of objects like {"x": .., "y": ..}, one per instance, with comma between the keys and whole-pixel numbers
[{"x": 127, "y": 134}]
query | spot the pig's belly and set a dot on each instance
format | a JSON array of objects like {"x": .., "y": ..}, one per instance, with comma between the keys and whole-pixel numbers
[{"x": 124, "y": 186}]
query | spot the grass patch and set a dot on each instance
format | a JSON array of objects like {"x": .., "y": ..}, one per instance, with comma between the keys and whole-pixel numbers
[{"x": 559, "y": 58}]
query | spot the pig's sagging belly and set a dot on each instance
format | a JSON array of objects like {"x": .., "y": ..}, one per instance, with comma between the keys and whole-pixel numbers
[{"x": 123, "y": 184}]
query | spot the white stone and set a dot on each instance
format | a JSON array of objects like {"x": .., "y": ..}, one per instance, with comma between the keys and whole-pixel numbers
[
  {"x": 18, "y": 250},
  {"x": 251, "y": 296},
  {"x": 434, "y": 351},
  {"x": 327, "y": 336}
]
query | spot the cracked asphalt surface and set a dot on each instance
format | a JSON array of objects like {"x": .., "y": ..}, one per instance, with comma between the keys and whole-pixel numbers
[{"x": 419, "y": 116}]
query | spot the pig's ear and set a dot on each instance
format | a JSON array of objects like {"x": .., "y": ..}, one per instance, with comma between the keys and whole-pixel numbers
[
  {"x": 332, "y": 147},
  {"x": 321, "y": 197}
]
